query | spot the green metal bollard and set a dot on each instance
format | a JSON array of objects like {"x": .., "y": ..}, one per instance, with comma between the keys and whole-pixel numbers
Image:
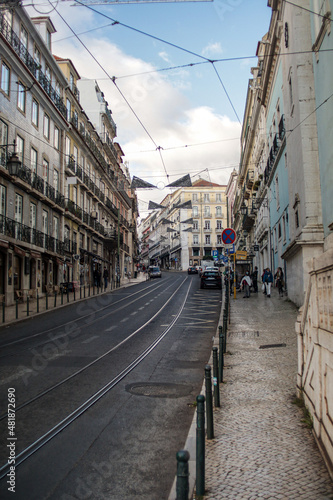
[
  {"x": 27, "y": 305},
  {"x": 84, "y": 291},
  {"x": 209, "y": 402},
  {"x": 74, "y": 293},
  {"x": 62, "y": 296},
  {"x": 16, "y": 311},
  {"x": 216, "y": 382},
  {"x": 46, "y": 301},
  {"x": 55, "y": 299},
  {"x": 37, "y": 296},
  {"x": 67, "y": 295},
  {"x": 80, "y": 292},
  {"x": 221, "y": 351},
  {"x": 182, "y": 486},
  {"x": 3, "y": 311},
  {"x": 200, "y": 448},
  {"x": 89, "y": 290}
]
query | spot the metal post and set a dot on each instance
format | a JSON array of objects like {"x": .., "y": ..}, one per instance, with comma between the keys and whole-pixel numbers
[
  {"x": 221, "y": 351},
  {"x": 200, "y": 448},
  {"x": 74, "y": 292},
  {"x": 216, "y": 382},
  {"x": 89, "y": 290},
  {"x": 62, "y": 296},
  {"x": 3, "y": 311},
  {"x": 209, "y": 403},
  {"x": 182, "y": 486},
  {"x": 37, "y": 301},
  {"x": 27, "y": 305},
  {"x": 67, "y": 295},
  {"x": 80, "y": 292},
  {"x": 55, "y": 299},
  {"x": 84, "y": 291},
  {"x": 46, "y": 301},
  {"x": 16, "y": 309}
]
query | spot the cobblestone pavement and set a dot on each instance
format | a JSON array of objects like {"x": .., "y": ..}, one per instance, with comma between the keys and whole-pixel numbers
[{"x": 261, "y": 448}]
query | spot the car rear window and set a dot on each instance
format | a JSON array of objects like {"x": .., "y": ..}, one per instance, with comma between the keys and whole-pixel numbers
[
  {"x": 155, "y": 269},
  {"x": 211, "y": 273}
]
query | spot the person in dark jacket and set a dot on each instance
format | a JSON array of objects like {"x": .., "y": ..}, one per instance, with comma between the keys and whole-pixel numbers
[
  {"x": 254, "y": 277},
  {"x": 268, "y": 280},
  {"x": 105, "y": 277}
]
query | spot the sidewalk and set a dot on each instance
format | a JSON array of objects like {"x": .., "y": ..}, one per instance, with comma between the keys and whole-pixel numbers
[
  {"x": 12, "y": 315},
  {"x": 262, "y": 448}
]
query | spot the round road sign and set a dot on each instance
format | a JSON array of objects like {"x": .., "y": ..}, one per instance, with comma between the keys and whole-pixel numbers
[{"x": 228, "y": 236}]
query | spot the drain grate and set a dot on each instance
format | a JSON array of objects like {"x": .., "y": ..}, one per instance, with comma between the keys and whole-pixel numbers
[{"x": 270, "y": 346}]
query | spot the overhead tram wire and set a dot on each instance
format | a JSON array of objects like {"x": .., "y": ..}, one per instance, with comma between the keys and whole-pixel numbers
[
  {"x": 114, "y": 82},
  {"x": 163, "y": 41}
]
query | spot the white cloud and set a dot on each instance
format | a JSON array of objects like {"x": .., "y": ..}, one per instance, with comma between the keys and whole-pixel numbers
[
  {"x": 168, "y": 119},
  {"x": 164, "y": 56},
  {"x": 212, "y": 49}
]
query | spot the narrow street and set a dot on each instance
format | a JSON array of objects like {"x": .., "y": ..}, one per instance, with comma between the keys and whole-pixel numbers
[{"x": 105, "y": 390}]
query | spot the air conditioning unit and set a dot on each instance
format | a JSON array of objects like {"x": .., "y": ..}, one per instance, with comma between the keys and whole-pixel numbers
[
  {"x": 76, "y": 256},
  {"x": 93, "y": 214}
]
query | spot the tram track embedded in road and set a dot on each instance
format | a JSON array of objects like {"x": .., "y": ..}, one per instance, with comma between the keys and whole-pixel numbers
[{"x": 88, "y": 403}]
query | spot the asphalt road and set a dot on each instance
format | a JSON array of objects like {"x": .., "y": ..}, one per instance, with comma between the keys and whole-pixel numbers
[{"x": 147, "y": 345}]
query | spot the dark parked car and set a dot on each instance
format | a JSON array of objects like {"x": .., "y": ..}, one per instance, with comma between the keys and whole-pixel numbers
[
  {"x": 154, "y": 272},
  {"x": 192, "y": 270},
  {"x": 211, "y": 279}
]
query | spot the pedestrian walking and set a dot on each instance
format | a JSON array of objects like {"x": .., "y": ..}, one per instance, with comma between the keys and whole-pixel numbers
[
  {"x": 254, "y": 277},
  {"x": 105, "y": 277},
  {"x": 267, "y": 280},
  {"x": 245, "y": 285},
  {"x": 279, "y": 282}
]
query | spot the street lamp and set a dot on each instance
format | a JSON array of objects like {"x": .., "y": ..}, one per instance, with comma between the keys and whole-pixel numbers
[
  {"x": 243, "y": 209},
  {"x": 13, "y": 163}
]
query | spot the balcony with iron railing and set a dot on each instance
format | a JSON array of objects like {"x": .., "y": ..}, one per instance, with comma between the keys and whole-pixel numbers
[
  {"x": 33, "y": 66},
  {"x": 26, "y": 234},
  {"x": 274, "y": 151}
]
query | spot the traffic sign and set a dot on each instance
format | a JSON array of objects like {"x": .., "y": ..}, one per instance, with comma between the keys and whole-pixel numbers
[{"x": 228, "y": 236}]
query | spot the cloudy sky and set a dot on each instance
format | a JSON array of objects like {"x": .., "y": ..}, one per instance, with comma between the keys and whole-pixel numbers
[{"x": 181, "y": 74}]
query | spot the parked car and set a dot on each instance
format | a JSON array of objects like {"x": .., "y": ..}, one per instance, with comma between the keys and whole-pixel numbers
[
  {"x": 211, "y": 279},
  {"x": 192, "y": 270},
  {"x": 154, "y": 272}
]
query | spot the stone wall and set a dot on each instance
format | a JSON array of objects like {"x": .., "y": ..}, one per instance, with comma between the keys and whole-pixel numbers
[{"x": 314, "y": 328}]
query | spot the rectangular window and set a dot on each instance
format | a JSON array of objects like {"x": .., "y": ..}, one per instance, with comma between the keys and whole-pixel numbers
[
  {"x": 37, "y": 61},
  {"x": 207, "y": 239},
  {"x": 21, "y": 97},
  {"x": 207, "y": 224},
  {"x": 33, "y": 160},
  {"x": 3, "y": 140},
  {"x": 56, "y": 227},
  {"x": 68, "y": 109},
  {"x": 45, "y": 171},
  {"x": 219, "y": 239},
  {"x": 5, "y": 78},
  {"x": 218, "y": 198},
  {"x": 56, "y": 137},
  {"x": 207, "y": 211},
  {"x": 18, "y": 208},
  {"x": 195, "y": 197},
  {"x": 33, "y": 215},
  {"x": 206, "y": 197},
  {"x": 2, "y": 200},
  {"x": 56, "y": 179},
  {"x": 218, "y": 211},
  {"x": 35, "y": 112},
  {"x": 46, "y": 126},
  {"x": 20, "y": 147},
  {"x": 45, "y": 221},
  {"x": 195, "y": 239},
  {"x": 195, "y": 225},
  {"x": 24, "y": 37},
  {"x": 195, "y": 211},
  {"x": 218, "y": 224}
]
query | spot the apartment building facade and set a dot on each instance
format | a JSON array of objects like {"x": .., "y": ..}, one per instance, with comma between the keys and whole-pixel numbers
[{"x": 61, "y": 215}]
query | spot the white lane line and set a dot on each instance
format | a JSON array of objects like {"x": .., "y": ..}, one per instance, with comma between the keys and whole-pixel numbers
[
  {"x": 134, "y": 313},
  {"x": 140, "y": 308},
  {"x": 111, "y": 328},
  {"x": 123, "y": 320},
  {"x": 90, "y": 339}
]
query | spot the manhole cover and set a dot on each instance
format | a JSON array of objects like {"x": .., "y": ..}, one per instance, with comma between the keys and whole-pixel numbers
[{"x": 159, "y": 390}]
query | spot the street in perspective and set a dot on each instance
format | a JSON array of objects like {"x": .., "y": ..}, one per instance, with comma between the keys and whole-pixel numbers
[{"x": 166, "y": 250}]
